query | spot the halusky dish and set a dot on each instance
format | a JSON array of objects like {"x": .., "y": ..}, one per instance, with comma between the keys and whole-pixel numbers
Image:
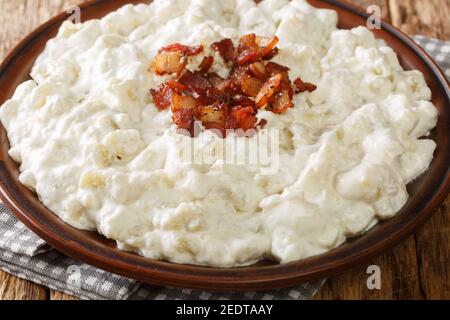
[{"x": 104, "y": 154}]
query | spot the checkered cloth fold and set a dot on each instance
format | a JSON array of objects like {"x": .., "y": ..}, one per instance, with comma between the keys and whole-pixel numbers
[
  {"x": 25, "y": 255},
  {"x": 439, "y": 50}
]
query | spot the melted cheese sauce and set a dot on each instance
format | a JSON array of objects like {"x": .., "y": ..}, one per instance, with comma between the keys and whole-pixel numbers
[{"x": 98, "y": 153}]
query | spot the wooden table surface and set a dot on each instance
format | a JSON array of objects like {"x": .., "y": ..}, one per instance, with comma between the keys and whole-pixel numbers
[{"x": 418, "y": 268}]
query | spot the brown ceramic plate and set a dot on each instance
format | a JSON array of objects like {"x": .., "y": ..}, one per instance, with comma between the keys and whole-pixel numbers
[{"x": 426, "y": 193}]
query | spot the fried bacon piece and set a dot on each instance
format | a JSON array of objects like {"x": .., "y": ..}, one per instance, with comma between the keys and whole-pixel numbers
[
  {"x": 267, "y": 90},
  {"x": 285, "y": 90},
  {"x": 184, "y": 119},
  {"x": 250, "y": 51},
  {"x": 274, "y": 68},
  {"x": 241, "y": 100},
  {"x": 262, "y": 123},
  {"x": 172, "y": 59},
  {"x": 259, "y": 70},
  {"x": 175, "y": 85},
  {"x": 267, "y": 45},
  {"x": 214, "y": 79},
  {"x": 206, "y": 64},
  {"x": 162, "y": 96},
  {"x": 304, "y": 86},
  {"x": 169, "y": 63},
  {"x": 251, "y": 85},
  {"x": 271, "y": 54},
  {"x": 230, "y": 87},
  {"x": 226, "y": 49},
  {"x": 281, "y": 102},
  {"x": 242, "y": 117},
  {"x": 196, "y": 82},
  {"x": 213, "y": 114},
  {"x": 253, "y": 82},
  {"x": 181, "y": 48},
  {"x": 233, "y": 84},
  {"x": 181, "y": 102}
]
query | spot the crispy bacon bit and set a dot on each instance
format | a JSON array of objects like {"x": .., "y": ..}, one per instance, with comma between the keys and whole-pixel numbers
[
  {"x": 262, "y": 123},
  {"x": 206, "y": 64},
  {"x": 242, "y": 118},
  {"x": 213, "y": 114},
  {"x": 169, "y": 63},
  {"x": 304, "y": 86},
  {"x": 180, "y": 102},
  {"x": 274, "y": 68},
  {"x": 267, "y": 91},
  {"x": 175, "y": 85},
  {"x": 259, "y": 70},
  {"x": 230, "y": 103},
  {"x": 205, "y": 100},
  {"x": 267, "y": 45},
  {"x": 272, "y": 54},
  {"x": 241, "y": 100},
  {"x": 247, "y": 56},
  {"x": 172, "y": 59},
  {"x": 251, "y": 86},
  {"x": 231, "y": 86},
  {"x": 181, "y": 48},
  {"x": 281, "y": 102},
  {"x": 237, "y": 73},
  {"x": 184, "y": 119},
  {"x": 226, "y": 49},
  {"x": 214, "y": 79},
  {"x": 250, "y": 51},
  {"x": 196, "y": 82},
  {"x": 162, "y": 96}
]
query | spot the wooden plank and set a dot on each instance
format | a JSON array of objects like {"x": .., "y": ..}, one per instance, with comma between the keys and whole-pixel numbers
[
  {"x": 433, "y": 250},
  {"x": 427, "y": 17},
  {"x": 398, "y": 275},
  {"x": 55, "y": 295},
  {"x": 20, "y": 17},
  {"x": 13, "y": 288}
]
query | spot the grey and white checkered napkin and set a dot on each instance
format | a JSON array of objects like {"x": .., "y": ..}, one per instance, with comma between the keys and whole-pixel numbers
[
  {"x": 23, "y": 254},
  {"x": 439, "y": 50}
]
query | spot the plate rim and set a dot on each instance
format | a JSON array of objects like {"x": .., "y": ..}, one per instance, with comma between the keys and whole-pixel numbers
[{"x": 181, "y": 275}]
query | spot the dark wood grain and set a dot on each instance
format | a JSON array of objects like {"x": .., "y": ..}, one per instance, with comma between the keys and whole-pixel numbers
[
  {"x": 13, "y": 288},
  {"x": 399, "y": 278},
  {"x": 428, "y": 17},
  {"x": 55, "y": 295},
  {"x": 431, "y": 244},
  {"x": 417, "y": 268}
]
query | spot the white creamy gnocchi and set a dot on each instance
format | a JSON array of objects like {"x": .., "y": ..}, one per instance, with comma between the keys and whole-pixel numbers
[{"x": 101, "y": 156}]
